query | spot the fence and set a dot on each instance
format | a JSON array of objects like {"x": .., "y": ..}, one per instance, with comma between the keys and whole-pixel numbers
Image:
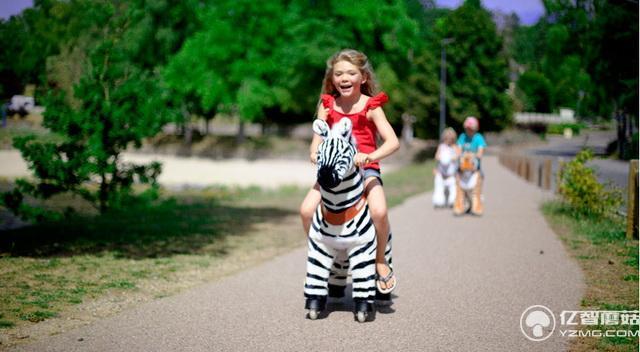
[
  {"x": 535, "y": 170},
  {"x": 539, "y": 171}
]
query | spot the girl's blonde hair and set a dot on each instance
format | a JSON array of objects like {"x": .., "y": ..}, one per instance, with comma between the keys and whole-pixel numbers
[
  {"x": 448, "y": 133},
  {"x": 358, "y": 59}
]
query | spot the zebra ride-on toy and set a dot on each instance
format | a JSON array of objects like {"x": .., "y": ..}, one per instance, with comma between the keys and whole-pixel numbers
[{"x": 341, "y": 227}]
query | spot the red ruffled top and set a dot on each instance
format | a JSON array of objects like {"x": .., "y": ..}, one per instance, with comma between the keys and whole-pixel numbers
[{"x": 364, "y": 130}]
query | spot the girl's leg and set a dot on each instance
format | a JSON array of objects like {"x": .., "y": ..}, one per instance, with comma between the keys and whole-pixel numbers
[
  {"x": 378, "y": 208},
  {"x": 309, "y": 206}
]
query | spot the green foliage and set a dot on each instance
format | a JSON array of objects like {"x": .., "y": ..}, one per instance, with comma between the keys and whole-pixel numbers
[
  {"x": 423, "y": 97},
  {"x": 558, "y": 128},
  {"x": 119, "y": 104},
  {"x": 580, "y": 47},
  {"x": 580, "y": 189},
  {"x": 536, "y": 92},
  {"x": 477, "y": 71},
  {"x": 265, "y": 61},
  {"x": 227, "y": 65},
  {"x": 38, "y": 316},
  {"x": 28, "y": 39}
]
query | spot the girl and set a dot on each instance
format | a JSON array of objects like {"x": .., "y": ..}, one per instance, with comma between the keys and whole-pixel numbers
[
  {"x": 349, "y": 90},
  {"x": 444, "y": 173}
]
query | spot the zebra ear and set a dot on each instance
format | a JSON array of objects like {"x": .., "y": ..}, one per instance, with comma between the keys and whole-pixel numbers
[
  {"x": 321, "y": 128},
  {"x": 343, "y": 128}
]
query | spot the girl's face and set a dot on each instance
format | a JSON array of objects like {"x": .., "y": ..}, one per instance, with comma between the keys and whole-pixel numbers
[
  {"x": 347, "y": 78},
  {"x": 449, "y": 139}
]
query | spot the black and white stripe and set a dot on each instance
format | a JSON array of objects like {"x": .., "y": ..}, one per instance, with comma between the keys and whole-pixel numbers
[{"x": 334, "y": 250}]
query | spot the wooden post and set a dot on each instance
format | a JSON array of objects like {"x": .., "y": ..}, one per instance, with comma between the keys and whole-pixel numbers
[
  {"x": 539, "y": 176},
  {"x": 632, "y": 201},
  {"x": 546, "y": 174}
]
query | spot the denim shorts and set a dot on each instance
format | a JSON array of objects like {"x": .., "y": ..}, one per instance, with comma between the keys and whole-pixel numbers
[{"x": 373, "y": 173}]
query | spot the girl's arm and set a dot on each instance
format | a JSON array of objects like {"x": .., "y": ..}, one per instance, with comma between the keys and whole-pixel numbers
[
  {"x": 316, "y": 140},
  {"x": 390, "y": 144},
  {"x": 458, "y": 150}
]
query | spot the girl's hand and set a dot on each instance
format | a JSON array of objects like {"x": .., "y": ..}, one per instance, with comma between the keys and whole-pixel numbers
[
  {"x": 362, "y": 159},
  {"x": 314, "y": 158}
]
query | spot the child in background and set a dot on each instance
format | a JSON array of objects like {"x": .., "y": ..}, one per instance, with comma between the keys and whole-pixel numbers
[
  {"x": 445, "y": 171},
  {"x": 350, "y": 90}
]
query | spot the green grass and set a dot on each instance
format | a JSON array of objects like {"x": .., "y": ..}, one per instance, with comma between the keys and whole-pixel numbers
[
  {"x": 22, "y": 129},
  {"x": 408, "y": 181},
  {"x": 598, "y": 231},
  {"x": 4, "y": 324},
  {"x": 559, "y": 128},
  {"x": 46, "y": 267},
  {"x": 185, "y": 238},
  {"x": 610, "y": 264},
  {"x": 38, "y": 315}
]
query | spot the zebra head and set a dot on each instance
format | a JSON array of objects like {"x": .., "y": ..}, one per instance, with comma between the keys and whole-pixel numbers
[{"x": 335, "y": 153}]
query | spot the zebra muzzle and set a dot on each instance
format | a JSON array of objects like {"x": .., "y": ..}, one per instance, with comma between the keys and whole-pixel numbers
[{"x": 328, "y": 177}]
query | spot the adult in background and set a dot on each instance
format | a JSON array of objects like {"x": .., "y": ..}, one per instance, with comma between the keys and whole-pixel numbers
[{"x": 472, "y": 142}]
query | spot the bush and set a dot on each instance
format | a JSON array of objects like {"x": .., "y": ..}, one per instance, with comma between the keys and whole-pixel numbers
[
  {"x": 580, "y": 189},
  {"x": 558, "y": 128}
]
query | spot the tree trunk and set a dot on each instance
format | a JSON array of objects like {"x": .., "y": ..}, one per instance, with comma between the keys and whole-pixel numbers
[
  {"x": 240, "y": 136},
  {"x": 104, "y": 194},
  {"x": 187, "y": 132},
  {"x": 622, "y": 124}
]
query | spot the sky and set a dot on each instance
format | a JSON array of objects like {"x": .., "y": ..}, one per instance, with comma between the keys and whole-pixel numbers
[
  {"x": 13, "y": 7},
  {"x": 528, "y": 10}
]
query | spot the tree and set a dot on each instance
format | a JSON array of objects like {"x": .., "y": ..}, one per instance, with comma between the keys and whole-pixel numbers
[
  {"x": 581, "y": 47},
  {"x": 616, "y": 35},
  {"x": 423, "y": 88},
  {"x": 535, "y": 91},
  {"x": 119, "y": 104},
  {"x": 477, "y": 70},
  {"x": 29, "y": 38},
  {"x": 266, "y": 60}
]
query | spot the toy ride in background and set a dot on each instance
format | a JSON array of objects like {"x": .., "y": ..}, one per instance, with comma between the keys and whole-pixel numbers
[
  {"x": 444, "y": 184},
  {"x": 468, "y": 186}
]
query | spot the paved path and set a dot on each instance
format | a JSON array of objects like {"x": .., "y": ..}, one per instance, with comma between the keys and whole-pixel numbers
[
  {"x": 463, "y": 286},
  {"x": 180, "y": 172}
]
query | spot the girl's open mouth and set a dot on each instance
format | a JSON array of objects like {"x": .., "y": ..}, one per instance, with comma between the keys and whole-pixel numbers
[{"x": 346, "y": 88}]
